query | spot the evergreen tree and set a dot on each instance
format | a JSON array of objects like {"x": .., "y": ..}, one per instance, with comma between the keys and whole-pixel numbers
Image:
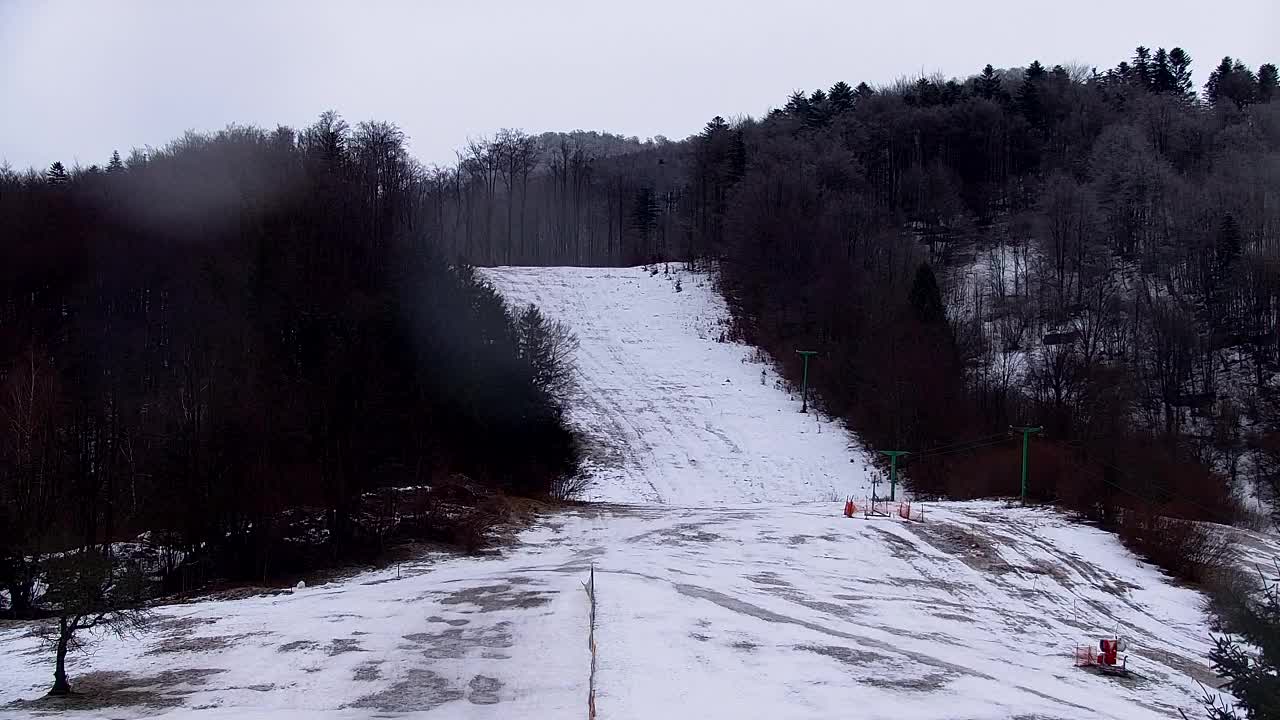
[
  {"x": 115, "y": 165},
  {"x": 797, "y": 105},
  {"x": 1031, "y": 93},
  {"x": 56, "y": 174},
  {"x": 988, "y": 83},
  {"x": 926, "y": 298},
  {"x": 1268, "y": 83},
  {"x": 1217, "y": 78},
  {"x": 819, "y": 110},
  {"x": 1254, "y": 679},
  {"x": 952, "y": 92},
  {"x": 1231, "y": 81},
  {"x": 840, "y": 98},
  {"x": 715, "y": 127},
  {"x": 1180, "y": 66},
  {"x": 1123, "y": 72},
  {"x": 1142, "y": 70},
  {"x": 863, "y": 91},
  {"x": 1162, "y": 72},
  {"x": 925, "y": 93}
]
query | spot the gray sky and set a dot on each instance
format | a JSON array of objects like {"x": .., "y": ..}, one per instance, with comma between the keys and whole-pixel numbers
[{"x": 78, "y": 79}]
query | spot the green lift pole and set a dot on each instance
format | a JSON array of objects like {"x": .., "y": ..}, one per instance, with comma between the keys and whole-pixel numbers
[
  {"x": 893, "y": 469},
  {"x": 1026, "y": 432},
  {"x": 804, "y": 388}
]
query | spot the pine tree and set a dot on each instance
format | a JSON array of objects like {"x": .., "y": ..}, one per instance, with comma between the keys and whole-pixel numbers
[
  {"x": 952, "y": 92},
  {"x": 1142, "y": 67},
  {"x": 797, "y": 105},
  {"x": 1268, "y": 83},
  {"x": 819, "y": 109},
  {"x": 115, "y": 165},
  {"x": 926, "y": 298},
  {"x": 715, "y": 127},
  {"x": 988, "y": 83},
  {"x": 1031, "y": 95},
  {"x": 56, "y": 174},
  {"x": 1180, "y": 65},
  {"x": 1243, "y": 88},
  {"x": 925, "y": 93},
  {"x": 1123, "y": 72},
  {"x": 1161, "y": 72},
  {"x": 840, "y": 98},
  {"x": 1254, "y": 679},
  {"x": 863, "y": 91},
  {"x": 1213, "y": 86},
  {"x": 1232, "y": 81}
]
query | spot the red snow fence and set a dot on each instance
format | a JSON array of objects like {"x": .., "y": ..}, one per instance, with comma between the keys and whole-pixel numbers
[
  {"x": 911, "y": 511},
  {"x": 850, "y": 507},
  {"x": 877, "y": 508}
]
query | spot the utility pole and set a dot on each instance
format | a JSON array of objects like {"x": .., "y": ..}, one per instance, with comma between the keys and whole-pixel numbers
[
  {"x": 893, "y": 469},
  {"x": 1026, "y": 432},
  {"x": 804, "y": 388}
]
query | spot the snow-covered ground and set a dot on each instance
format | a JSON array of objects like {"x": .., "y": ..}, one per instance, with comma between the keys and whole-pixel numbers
[
  {"x": 737, "y": 612},
  {"x": 676, "y": 415},
  {"x": 728, "y": 584}
]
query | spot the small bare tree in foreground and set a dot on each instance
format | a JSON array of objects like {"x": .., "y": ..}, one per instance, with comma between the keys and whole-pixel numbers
[{"x": 90, "y": 591}]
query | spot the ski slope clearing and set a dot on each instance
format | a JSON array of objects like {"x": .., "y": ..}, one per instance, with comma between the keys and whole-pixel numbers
[
  {"x": 675, "y": 415},
  {"x": 744, "y": 612}
]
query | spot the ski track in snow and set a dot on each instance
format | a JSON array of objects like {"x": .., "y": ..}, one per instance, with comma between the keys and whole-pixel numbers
[
  {"x": 679, "y": 417},
  {"x": 728, "y": 585}
]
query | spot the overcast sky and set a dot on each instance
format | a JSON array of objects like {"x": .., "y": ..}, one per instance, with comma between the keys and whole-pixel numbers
[{"x": 78, "y": 79}]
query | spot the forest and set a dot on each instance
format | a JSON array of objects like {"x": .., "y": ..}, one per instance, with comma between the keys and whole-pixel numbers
[
  {"x": 1093, "y": 252},
  {"x": 238, "y": 340},
  {"x": 228, "y": 358}
]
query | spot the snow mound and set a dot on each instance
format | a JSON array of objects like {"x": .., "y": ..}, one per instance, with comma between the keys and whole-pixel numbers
[{"x": 674, "y": 414}]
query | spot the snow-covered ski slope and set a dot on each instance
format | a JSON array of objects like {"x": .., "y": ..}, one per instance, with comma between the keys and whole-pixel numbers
[
  {"x": 728, "y": 584},
  {"x": 674, "y": 414},
  {"x": 759, "y": 612}
]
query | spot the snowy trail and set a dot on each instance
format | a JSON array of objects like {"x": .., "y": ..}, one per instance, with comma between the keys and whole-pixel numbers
[
  {"x": 728, "y": 584},
  {"x": 738, "y": 612},
  {"x": 798, "y": 612},
  {"x": 675, "y": 416}
]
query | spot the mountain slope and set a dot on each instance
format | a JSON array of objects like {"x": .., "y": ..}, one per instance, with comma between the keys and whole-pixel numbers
[{"x": 673, "y": 414}]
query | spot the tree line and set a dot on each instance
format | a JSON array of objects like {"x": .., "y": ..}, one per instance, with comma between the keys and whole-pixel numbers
[{"x": 230, "y": 344}]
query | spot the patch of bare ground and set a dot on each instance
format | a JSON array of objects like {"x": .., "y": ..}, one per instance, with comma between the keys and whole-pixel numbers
[
  {"x": 969, "y": 547},
  {"x": 105, "y": 689},
  {"x": 420, "y": 690},
  {"x": 454, "y": 643},
  {"x": 489, "y": 598}
]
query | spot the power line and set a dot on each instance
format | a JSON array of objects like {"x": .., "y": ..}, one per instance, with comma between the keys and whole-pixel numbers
[
  {"x": 964, "y": 449},
  {"x": 960, "y": 445},
  {"x": 945, "y": 446},
  {"x": 1163, "y": 489}
]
